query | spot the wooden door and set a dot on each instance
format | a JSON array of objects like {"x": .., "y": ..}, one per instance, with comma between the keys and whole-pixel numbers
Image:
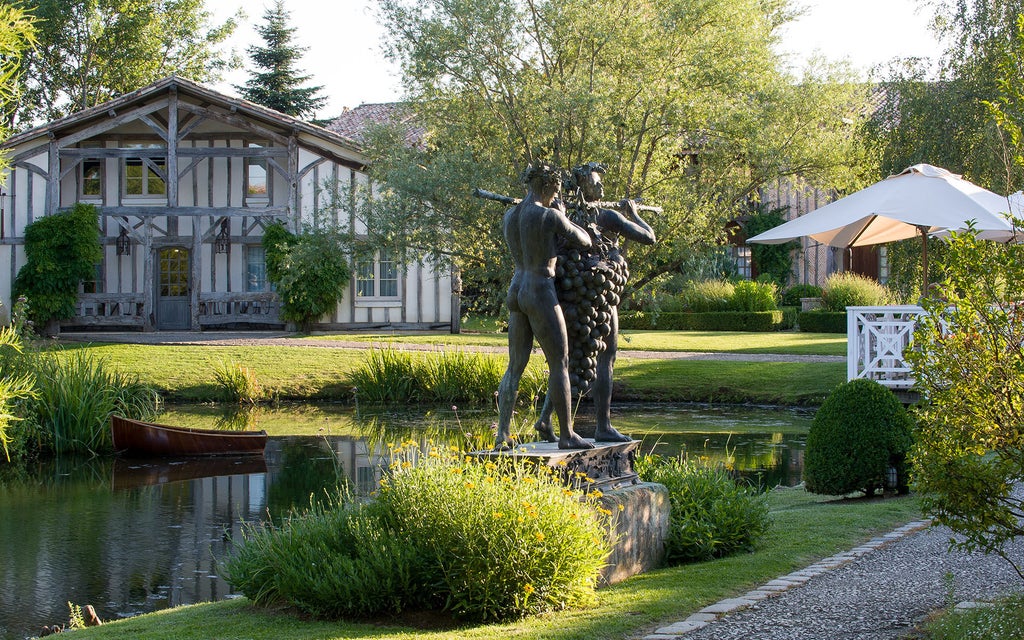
[{"x": 172, "y": 289}]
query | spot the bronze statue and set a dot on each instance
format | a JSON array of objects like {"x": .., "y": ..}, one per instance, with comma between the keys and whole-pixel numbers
[
  {"x": 590, "y": 284},
  {"x": 533, "y": 229}
]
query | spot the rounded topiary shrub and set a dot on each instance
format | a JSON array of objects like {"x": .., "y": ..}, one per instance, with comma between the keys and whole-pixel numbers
[{"x": 858, "y": 433}]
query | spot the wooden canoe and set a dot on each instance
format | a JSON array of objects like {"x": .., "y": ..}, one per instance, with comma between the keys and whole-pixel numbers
[{"x": 137, "y": 438}]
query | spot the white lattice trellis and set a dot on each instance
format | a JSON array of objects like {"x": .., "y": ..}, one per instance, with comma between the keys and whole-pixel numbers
[{"x": 877, "y": 338}]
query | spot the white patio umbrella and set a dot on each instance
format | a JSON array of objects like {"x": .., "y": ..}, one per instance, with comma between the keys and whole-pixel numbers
[{"x": 920, "y": 200}]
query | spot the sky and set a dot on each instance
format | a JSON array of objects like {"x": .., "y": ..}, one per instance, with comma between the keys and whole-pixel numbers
[{"x": 343, "y": 42}]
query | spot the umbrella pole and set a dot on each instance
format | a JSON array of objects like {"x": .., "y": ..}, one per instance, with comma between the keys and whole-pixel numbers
[{"x": 924, "y": 259}]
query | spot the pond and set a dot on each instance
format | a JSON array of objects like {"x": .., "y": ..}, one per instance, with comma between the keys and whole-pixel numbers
[{"x": 134, "y": 536}]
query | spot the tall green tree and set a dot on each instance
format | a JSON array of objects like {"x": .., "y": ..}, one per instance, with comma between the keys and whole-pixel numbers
[
  {"x": 683, "y": 100},
  {"x": 89, "y": 51},
  {"x": 276, "y": 83},
  {"x": 936, "y": 111}
]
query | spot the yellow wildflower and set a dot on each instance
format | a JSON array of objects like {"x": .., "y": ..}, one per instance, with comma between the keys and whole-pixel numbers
[
  {"x": 528, "y": 588},
  {"x": 497, "y": 515},
  {"x": 539, "y": 536}
]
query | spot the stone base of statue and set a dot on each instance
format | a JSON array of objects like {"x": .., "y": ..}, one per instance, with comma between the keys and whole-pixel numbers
[{"x": 640, "y": 509}]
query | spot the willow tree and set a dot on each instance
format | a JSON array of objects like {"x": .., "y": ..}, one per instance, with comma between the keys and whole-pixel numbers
[{"x": 684, "y": 101}]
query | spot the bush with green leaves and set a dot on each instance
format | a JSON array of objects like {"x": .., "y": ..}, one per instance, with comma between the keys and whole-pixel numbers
[
  {"x": 821, "y": 321},
  {"x": 712, "y": 514},
  {"x": 968, "y": 361},
  {"x": 752, "y": 295},
  {"x": 791, "y": 296},
  {"x": 310, "y": 271},
  {"x": 61, "y": 250},
  {"x": 483, "y": 540},
  {"x": 860, "y": 431},
  {"x": 707, "y": 321},
  {"x": 848, "y": 289}
]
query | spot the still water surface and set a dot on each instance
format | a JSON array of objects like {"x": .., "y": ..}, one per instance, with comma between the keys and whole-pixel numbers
[{"x": 131, "y": 536}]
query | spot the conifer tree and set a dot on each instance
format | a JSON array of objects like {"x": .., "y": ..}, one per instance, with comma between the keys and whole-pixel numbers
[{"x": 275, "y": 82}]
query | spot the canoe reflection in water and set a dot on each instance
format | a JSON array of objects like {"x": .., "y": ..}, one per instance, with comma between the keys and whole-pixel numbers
[{"x": 131, "y": 473}]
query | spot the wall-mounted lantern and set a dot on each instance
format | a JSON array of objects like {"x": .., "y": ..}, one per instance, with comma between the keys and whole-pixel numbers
[
  {"x": 222, "y": 243},
  {"x": 123, "y": 243}
]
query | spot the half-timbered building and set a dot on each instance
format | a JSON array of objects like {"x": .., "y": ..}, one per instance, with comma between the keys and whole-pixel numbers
[{"x": 185, "y": 179}]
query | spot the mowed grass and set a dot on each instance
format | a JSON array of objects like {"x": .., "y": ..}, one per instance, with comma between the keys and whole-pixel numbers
[
  {"x": 805, "y": 528},
  {"x": 786, "y": 343},
  {"x": 185, "y": 373}
]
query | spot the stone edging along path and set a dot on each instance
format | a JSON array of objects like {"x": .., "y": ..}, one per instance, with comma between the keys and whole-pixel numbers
[{"x": 708, "y": 615}]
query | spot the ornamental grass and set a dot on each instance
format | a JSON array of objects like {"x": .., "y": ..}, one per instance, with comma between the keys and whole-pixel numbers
[
  {"x": 481, "y": 540},
  {"x": 75, "y": 395},
  {"x": 392, "y": 376}
]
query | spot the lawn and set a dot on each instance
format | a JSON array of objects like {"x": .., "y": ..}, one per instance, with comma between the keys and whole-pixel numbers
[
  {"x": 787, "y": 343},
  {"x": 303, "y": 371},
  {"x": 805, "y": 528},
  {"x": 184, "y": 373}
]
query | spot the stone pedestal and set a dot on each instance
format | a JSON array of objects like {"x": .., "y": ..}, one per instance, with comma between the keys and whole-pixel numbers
[
  {"x": 608, "y": 466},
  {"x": 640, "y": 530},
  {"x": 640, "y": 509}
]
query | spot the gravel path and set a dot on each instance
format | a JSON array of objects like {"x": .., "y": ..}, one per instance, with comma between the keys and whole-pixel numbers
[{"x": 879, "y": 591}]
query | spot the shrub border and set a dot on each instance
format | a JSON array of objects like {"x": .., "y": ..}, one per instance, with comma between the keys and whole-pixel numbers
[
  {"x": 707, "y": 321},
  {"x": 818, "y": 321}
]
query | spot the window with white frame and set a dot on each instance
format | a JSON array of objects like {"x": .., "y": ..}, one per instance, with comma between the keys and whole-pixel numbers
[
  {"x": 257, "y": 183},
  {"x": 378, "y": 277},
  {"x": 143, "y": 176},
  {"x": 255, "y": 268}
]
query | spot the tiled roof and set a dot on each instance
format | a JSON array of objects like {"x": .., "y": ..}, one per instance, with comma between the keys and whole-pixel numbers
[{"x": 354, "y": 123}]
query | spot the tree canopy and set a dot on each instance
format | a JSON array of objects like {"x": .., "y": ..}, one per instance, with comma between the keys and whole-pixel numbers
[
  {"x": 17, "y": 36},
  {"x": 684, "y": 101},
  {"x": 89, "y": 51},
  {"x": 939, "y": 112},
  {"x": 278, "y": 85}
]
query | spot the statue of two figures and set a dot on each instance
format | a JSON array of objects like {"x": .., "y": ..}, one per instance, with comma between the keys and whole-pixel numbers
[{"x": 568, "y": 280}]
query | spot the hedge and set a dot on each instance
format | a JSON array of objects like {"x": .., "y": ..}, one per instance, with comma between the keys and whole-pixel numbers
[
  {"x": 822, "y": 321},
  {"x": 709, "y": 321}
]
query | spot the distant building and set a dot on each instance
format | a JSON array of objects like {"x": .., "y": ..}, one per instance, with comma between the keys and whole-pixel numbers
[{"x": 185, "y": 180}]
